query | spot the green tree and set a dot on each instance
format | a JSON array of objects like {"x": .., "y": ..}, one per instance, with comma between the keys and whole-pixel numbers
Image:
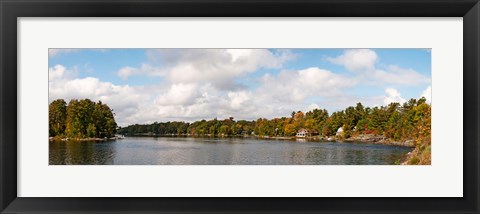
[
  {"x": 85, "y": 118},
  {"x": 74, "y": 123},
  {"x": 91, "y": 130},
  {"x": 57, "y": 116}
]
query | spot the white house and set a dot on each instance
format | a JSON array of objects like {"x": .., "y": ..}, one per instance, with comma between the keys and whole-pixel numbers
[
  {"x": 302, "y": 133},
  {"x": 340, "y": 131}
]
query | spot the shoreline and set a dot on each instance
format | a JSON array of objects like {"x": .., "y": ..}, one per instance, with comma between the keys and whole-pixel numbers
[
  {"x": 380, "y": 139},
  {"x": 82, "y": 139},
  {"x": 368, "y": 139}
]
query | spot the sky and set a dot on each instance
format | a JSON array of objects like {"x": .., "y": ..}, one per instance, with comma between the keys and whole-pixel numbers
[{"x": 147, "y": 85}]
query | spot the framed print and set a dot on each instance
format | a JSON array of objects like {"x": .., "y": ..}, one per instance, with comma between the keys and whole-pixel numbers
[{"x": 227, "y": 106}]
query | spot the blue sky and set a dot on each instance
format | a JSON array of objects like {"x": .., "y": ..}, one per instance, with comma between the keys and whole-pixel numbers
[{"x": 147, "y": 85}]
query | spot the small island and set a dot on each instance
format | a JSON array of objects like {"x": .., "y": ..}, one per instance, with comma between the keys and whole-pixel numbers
[{"x": 81, "y": 120}]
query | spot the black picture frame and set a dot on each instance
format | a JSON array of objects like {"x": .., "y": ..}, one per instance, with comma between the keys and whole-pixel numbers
[{"x": 10, "y": 10}]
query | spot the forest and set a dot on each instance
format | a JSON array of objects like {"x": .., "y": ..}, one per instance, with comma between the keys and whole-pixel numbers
[
  {"x": 81, "y": 119},
  {"x": 394, "y": 121}
]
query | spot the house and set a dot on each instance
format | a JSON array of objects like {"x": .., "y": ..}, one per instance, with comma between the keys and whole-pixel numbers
[
  {"x": 340, "y": 131},
  {"x": 302, "y": 133}
]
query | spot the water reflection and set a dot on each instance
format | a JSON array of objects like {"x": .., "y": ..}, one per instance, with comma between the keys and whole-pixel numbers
[
  {"x": 220, "y": 151},
  {"x": 82, "y": 153}
]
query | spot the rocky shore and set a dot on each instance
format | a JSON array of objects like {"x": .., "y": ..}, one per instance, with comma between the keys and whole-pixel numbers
[
  {"x": 379, "y": 139},
  {"x": 276, "y": 137},
  {"x": 364, "y": 138}
]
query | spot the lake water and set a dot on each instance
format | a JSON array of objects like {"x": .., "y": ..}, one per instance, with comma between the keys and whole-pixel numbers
[{"x": 221, "y": 151}]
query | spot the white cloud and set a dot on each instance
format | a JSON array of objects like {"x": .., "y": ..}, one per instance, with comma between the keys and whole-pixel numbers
[
  {"x": 128, "y": 71},
  {"x": 56, "y": 72},
  {"x": 238, "y": 100},
  {"x": 60, "y": 73},
  {"x": 400, "y": 76},
  {"x": 189, "y": 102},
  {"x": 221, "y": 65},
  {"x": 427, "y": 93},
  {"x": 393, "y": 96},
  {"x": 296, "y": 86},
  {"x": 312, "y": 107},
  {"x": 179, "y": 94},
  {"x": 216, "y": 66},
  {"x": 363, "y": 62},
  {"x": 356, "y": 59}
]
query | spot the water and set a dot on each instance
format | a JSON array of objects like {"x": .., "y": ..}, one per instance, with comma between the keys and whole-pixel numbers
[{"x": 221, "y": 151}]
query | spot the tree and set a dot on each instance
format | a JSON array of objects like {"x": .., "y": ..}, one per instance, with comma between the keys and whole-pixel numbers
[
  {"x": 91, "y": 130},
  {"x": 290, "y": 130},
  {"x": 104, "y": 121},
  {"x": 74, "y": 123},
  {"x": 311, "y": 125},
  {"x": 57, "y": 115},
  {"x": 224, "y": 130}
]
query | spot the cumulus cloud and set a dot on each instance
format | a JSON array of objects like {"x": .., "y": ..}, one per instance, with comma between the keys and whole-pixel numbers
[
  {"x": 356, "y": 59},
  {"x": 427, "y": 93},
  {"x": 295, "y": 86},
  {"x": 276, "y": 96},
  {"x": 59, "y": 73},
  {"x": 238, "y": 100},
  {"x": 393, "y": 96},
  {"x": 216, "y": 66},
  {"x": 56, "y": 72},
  {"x": 179, "y": 94},
  {"x": 189, "y": 102}
]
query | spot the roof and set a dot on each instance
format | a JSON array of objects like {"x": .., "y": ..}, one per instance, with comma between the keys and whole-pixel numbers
[{"x": 302, "y": 131}]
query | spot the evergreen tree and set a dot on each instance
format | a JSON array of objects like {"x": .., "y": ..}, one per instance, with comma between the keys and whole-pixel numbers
[{"x": 57, "y": 113}]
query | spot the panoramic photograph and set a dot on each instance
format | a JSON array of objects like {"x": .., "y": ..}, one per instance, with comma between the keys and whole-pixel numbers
[{"x": 159, "y": 106}]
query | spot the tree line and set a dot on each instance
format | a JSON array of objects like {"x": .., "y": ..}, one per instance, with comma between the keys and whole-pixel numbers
[
  {"x": 81, "y": 119},
  {"x": 395, "y": 121}
]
